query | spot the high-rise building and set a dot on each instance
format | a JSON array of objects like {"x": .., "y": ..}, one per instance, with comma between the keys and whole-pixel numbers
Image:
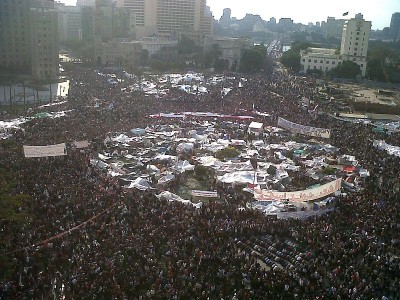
[
  {"x": 43, "y": 21},
  {"x": 355, "y": 39},
  {"x": 15, "y": 54},
  {"x": 170, "y": 17},
  {"x": 69, "y": 22},
  {"x": 29, "y": 38},
  {"x": 395, "y": 26},
  {"x": 333, "y": 27},
  {"x": 354, "y": 47}
]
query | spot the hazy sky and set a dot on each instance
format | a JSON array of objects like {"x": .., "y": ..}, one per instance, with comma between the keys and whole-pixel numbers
[{"x": 304, "y": 11}]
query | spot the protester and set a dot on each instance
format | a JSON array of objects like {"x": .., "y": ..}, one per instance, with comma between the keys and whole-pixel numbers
[{"x": 88, "y": 238}]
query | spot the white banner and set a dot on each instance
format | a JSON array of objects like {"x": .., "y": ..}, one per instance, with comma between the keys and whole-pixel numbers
[
  {"x": 44, "y": 151},
  {"x": 306, "y": 130},
  {"x": 207, "y": 194},
  {"x": 81, "y": 144},
  {"x": 299, "y": 196}
]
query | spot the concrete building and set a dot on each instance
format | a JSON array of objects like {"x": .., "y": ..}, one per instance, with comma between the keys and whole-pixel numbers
[
  {"x": 394, "y": 30},
  {"x": 231, "y": 48},
  {"x": 29, "y": 38},
  {"x": 121, "y": 53},
  {"x": 355, "y": 39},
  {"x": 170, "y": 17},
  {"x": 43, "y": 21},
  {"x": 285, "y": 24},
  {"x": 15, "y": 54},
  {"x": 69, "y": 22},
  {"x": 85, "y": 2},
  {"x": 333, "y": 27},
  {"x": 153, "y": 44},
  {"x": 354, "y": 47}
]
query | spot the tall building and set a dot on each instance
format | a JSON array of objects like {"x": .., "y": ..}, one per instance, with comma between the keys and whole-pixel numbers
[
  {"x": 43, "y": 21},
  {"x": 69, "y": 22},
  {"x": 29, "y": 38},
  {"x": 15, "y": 55},
  {"x": 395, "y": 26},
  {"x": 170, "y": 17},
  {"x": 354, "y": 47},
  {"x": 355, "y": 39},
  {"x": 333, "y": 27}
]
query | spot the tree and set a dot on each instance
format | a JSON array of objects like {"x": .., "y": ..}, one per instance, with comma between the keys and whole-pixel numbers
[
  {"x": 253, "y": 59},
  {"x": 348, "y": 69},
  {"x": 291, "y": 60},
  {"x": 185, "y": 45}
]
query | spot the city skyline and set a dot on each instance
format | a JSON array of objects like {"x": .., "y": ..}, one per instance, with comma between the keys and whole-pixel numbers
[{"x": 378, "y": 13}]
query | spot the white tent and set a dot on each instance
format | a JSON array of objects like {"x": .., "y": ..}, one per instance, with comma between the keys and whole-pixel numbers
[
  {"x": 140, "y": 184},
  {"x": 165, "y": 179}
]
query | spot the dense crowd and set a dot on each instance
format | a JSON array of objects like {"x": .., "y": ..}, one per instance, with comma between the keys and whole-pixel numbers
[{"x": 88, "y": 238}]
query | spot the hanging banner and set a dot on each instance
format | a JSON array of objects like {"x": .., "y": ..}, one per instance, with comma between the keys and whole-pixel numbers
[
  {"x": 299, "y": 196},
  {"x": 302, "y": 129},
  {"x": 206, "y": 194},
  {"x": 44, "y": 151}
]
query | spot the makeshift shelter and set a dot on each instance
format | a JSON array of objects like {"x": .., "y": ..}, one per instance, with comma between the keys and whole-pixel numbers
[
  {"x": 255, "y": 128},
  {"x": 140, "y": 184}
]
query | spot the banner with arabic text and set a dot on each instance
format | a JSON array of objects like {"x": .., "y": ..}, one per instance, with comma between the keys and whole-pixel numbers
[
  {"x": 44, "y": 151},
  {"x": 207, "y": 194},
  {"x": 299, "y": 196},
  {"x": 306, "y": 130}
]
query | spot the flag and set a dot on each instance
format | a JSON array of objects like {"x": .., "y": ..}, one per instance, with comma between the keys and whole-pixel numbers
[{"x": 346, "y": 13}]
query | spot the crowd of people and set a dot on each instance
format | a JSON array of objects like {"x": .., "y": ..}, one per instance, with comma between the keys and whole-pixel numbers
[{"x": 85, "y": 237}]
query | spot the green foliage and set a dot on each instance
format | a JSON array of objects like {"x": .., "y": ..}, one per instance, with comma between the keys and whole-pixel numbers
[
  {"x": 383, "y": 59},
  {"x": 200, "y": 172},
  {"x": 251, "y": 60},
  {"x": 291, "y": 60},
  {"x": 186, "y": 45},
  {"x": 228, "y": 152},
  {"x": 255, "y": 59},
  {"x": 328, "y": 171},
  {"x": 348, "y": 69}
]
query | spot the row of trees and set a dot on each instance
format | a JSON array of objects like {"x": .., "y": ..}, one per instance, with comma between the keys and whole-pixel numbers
[{"x": 188, "y": 53}]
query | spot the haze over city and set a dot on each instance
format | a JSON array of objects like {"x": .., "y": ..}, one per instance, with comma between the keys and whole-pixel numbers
[{"x": 379, "y": 12}]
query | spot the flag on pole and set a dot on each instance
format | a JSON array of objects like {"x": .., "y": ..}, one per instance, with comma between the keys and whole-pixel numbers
[{"x": 346, "y": 13}]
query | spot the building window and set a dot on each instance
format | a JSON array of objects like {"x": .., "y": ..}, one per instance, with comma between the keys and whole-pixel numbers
[
  {"x": 315, "y": 61},
  {"x": 362, "y": 65},
  {"x": 309, "y": 60},
  {"x": 333, "y": 63},
  {"x": 304, "y": 60},
  {"x": 321, "y": 61}
]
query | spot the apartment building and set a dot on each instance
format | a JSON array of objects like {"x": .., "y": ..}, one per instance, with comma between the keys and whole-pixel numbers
[
  {"x": 354, "y": 47},
  {"x": 29, "y": 38},
  {"x": 170, "y": 17}
]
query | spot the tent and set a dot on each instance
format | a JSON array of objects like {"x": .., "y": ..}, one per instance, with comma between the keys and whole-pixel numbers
[
  {"x": 165, "y": 179},
  {"x": 140, "y": 184}
]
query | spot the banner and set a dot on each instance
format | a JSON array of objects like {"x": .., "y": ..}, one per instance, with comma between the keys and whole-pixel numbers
[
  {"x": 299, "y": 196},
  {"x": 206, "y": 194},
  {"x": 44, "y": 151},
  {"x": 302, "y": 129},
  {"x": 81, "y": 144}
]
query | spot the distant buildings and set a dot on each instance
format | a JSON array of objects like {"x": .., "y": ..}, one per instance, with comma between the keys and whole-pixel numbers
[
  {"x": 231, "y": 48},
  {"x": 354, "y": 47},
  {"x": 170, "y": 17},
  {"x": 333, "y": 27},
  {"x": 29, "y": 38},
  {"x": 394, "y": 29},
  {"x": 121, "y": 53},
  {"x": 69, "y": 22}
]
